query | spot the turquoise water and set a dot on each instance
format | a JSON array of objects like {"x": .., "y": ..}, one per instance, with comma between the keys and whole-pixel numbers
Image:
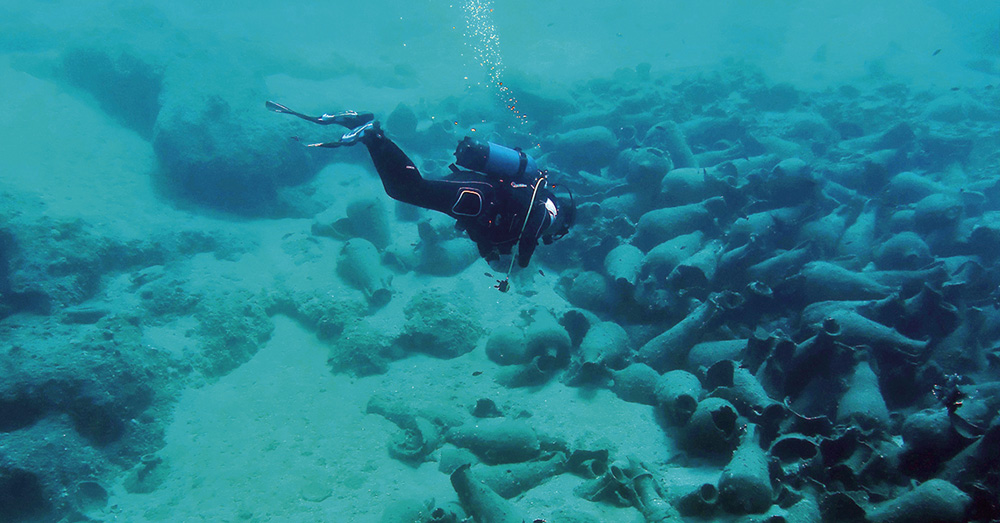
[{"x": 781, "y": 292}]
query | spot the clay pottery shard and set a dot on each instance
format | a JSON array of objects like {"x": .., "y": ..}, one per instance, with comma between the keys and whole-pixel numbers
[
  {"x": 967, "y": 278},
  {"x": 536, "y": 372},
  {"x": 825, "y": 281},
  {"x": 636, "y": 383},
  {"x": 390, "y": 408},
  {"x": 824, "y": 233},
  {"x": 858, "y": 241},
  {"x": 496, "y": 440},
  {"x": 909, "y": 187},
  {"x": 726, "y": 379},
  {"x": 700, "y": 502},
  {"x": 708, "y": 130},
  {"x": 929, "y": 430},
  {"x": 698, "y": 271},
  {"x": 842, "y": 506},
  {"x": 665, "y": 257},
  {"x": 796, "y": 455},
  {"x": 886, "y": 311},
  {"x": 716, "y": 157},
  {"x": 707, "y": 353},
  {"x": 669, "y": 137},
  {"x": 975, "y": 461},
  {"x": 928, "y": 440},
  {"x": 648, "y": 498},
  {"x": 677, "y": 396},
  {"x": 360, "y": 266},
  {"x": 806, "y": 510},
  {"x": 782, "y": 264},
  {"x": 819, "y": 356},
  {"x": 903, "y": 251},
  {"x": 452, "y": 457},
  {"x": 660, "y": 225},
  {"x": 546, "y": 337},
  {"x": 773, "y": 224},
  {"x": 506, "y": 346},
  {"x": 857, "y": 330},
  {"x": 589, "y": 149},
  {"x": 645, "y": 168},
  {"x": 734, "y": 262},
  {"x": 933, "y": 501},
  {"x": 980, "y": 405},
  {"x": 590, "y": 290},
  {"x": 513, "y": 479},
  {"x": 745, "y": 485},
  {"x": 984, "y": 238},
  {"x": 605, "y": 344},
  {"x": 623, "y": 264},
  {"x": 669, "y": 350},
  {"x": 928, "y": 313},
  {"x": 415, "y": 441},
  {"x": 712, "y": 430},
  {"x": 791, "y": 183},
  {"x": 938, "y": 211},
  {"x": 613, "y": 486},
  {"x": 792, "y": 167},
  {"x": 369, "y": 219},
  {"x": 686, "y": 185},
  {"x": 862, "y": 402},
  {"x": 588, "y": 463},
  {"x": 448, "y": 257},
  {"x": 910, "y": 282},
  {"x": 481, "y": 502}
]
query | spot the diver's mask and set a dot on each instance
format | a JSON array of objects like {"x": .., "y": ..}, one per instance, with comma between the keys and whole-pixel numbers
[{"x": 564, "y": 216}]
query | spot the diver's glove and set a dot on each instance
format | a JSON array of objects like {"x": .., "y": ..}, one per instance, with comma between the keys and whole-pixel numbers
[{"x": 352, "y": 137}]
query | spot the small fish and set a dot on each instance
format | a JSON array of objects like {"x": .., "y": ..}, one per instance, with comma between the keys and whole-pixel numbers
[
  {"x": 540, "y": 272},
  {"x": 477, "y": 373},
  {"x": 955, "y": 88},
  {"x": 935, "y": 53},
  {"x": 488, "y": 275}
]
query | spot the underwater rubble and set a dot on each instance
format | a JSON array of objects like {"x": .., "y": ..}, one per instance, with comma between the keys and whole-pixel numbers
[
  {"x": 83, "y": 394},
  {"x": 803, "y": 287}
]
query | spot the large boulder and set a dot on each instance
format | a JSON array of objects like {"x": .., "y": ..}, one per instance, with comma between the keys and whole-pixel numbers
[{"x": 224, "y": 150}]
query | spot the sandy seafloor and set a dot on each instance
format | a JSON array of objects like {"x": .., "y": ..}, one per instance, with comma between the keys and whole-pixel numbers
[{"x": 166, "y": 316}]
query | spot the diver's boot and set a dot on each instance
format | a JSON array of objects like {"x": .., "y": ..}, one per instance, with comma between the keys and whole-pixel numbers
[{"x": 352, "y": 137}]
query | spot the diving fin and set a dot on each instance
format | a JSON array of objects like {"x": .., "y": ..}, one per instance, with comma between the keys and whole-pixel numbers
[
  {"x": 350, "y": 138},
  {"x": 348, "y": 119}
]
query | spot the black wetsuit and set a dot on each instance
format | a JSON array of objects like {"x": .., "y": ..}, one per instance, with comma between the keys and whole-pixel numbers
[{"x": 490, "y": 209}]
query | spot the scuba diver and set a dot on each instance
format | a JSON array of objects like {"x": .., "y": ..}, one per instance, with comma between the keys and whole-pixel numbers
[{"x": 502, "y": 200}]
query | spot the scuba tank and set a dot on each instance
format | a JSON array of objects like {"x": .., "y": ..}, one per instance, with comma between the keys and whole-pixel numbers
[{"x": 494, "y": 160}]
